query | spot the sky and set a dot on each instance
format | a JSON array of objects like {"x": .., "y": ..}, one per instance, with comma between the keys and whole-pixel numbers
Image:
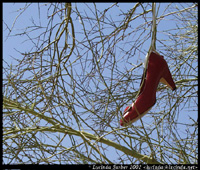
[{"x": 13, "y": 44}]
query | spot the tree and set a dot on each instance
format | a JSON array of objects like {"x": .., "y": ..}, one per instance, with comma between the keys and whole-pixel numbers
[{"x": 65, "y": 94}]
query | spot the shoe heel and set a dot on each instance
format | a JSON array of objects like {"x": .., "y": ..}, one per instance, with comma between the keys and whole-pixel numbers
[{"x": 167, "y": 79}]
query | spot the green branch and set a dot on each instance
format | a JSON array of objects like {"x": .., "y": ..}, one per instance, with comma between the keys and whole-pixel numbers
[{"x": 10, "y": 104}]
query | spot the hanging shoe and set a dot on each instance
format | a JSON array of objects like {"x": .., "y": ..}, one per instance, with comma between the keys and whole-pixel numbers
[{"x": 157, "y": 71}]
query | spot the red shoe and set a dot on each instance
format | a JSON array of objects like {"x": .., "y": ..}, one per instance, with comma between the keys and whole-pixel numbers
[{"x": 157, "y": 71}]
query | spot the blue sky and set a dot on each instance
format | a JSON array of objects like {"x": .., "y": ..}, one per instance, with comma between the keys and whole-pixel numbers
[{"x": 19, "y": 43}]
